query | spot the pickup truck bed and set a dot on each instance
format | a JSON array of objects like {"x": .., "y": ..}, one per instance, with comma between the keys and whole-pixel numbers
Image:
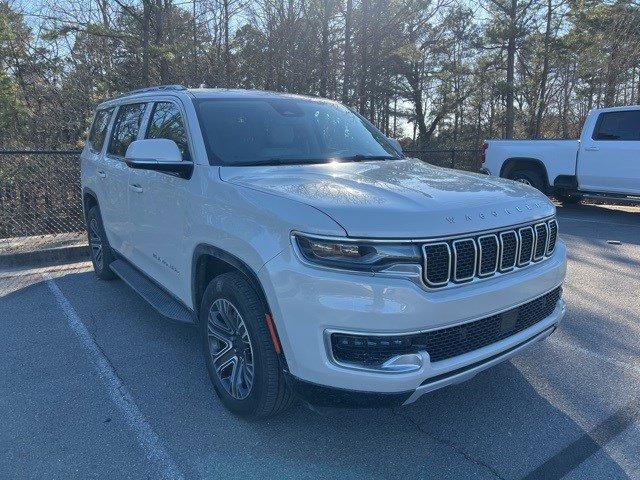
[{"x": 604, "y": 163}]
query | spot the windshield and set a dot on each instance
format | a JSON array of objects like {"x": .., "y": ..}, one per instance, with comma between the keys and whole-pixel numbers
[{"x": 287, "y": 131}]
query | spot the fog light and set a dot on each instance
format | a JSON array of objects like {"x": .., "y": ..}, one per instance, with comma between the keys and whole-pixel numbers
[{"x": 375, "y": 351}]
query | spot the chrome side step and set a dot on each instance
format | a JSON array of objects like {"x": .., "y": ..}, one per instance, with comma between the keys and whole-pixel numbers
[{"x": 158, "y": 298}]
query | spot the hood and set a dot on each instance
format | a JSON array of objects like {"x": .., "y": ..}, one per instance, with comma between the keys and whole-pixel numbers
[{"x": 404, "y": 198}]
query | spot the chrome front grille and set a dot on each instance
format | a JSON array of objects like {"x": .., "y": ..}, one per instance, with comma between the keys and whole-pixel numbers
[{"x": 463, "y": 259}]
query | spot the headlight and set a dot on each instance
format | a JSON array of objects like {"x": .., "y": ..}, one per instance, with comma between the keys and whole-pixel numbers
[{"x": 356, "y": 255}]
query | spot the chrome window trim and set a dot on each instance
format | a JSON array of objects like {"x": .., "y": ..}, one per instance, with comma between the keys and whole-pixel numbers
[
  {"x": 515, "y": 257},
  {"x": 455, "y": 261},
  {"x": 533, "y": 235},
  {"x": 537, "y": 258},
  {"x": 426, "y": 269},
  {"x": 498, "y": 257}
]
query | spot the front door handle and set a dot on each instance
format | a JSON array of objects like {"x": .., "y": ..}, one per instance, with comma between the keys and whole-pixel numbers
[
  {"x": 136, "y": 188},
  {"x": 101, "y": 174},
  {"x": 591, "y": 148}
]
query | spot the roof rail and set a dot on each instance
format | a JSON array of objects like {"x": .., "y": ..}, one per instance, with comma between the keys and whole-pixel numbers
[{"x": 151, "y": 89}]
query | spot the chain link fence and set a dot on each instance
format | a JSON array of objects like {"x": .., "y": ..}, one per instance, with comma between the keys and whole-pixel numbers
[{"x": 41, "y": 218}]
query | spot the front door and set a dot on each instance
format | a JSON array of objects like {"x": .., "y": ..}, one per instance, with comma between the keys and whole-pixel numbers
[
  {"x": 609, "y": 160},
  {"x": 159, "y": 209}
]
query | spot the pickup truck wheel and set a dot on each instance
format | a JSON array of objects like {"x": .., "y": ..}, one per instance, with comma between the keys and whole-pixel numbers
[
  {"x": 528, "y": 177},
  {"x": 101, "y": 253},
  {"x": 242, "y": 363}
]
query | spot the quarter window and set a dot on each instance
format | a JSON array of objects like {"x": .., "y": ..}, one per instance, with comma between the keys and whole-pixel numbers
[
  {"x": 98, "y": 130},
  {"x": 166, "y": 122},
  {"x": 125, "y": 128},
  {"x": 624, "y": 125}
]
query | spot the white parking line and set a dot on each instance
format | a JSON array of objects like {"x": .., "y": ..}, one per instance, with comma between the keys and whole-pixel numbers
[{"x": 119, "y": 394}]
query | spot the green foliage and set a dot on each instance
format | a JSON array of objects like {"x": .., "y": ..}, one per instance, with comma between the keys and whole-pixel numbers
[{"x": 436, "y": 68}]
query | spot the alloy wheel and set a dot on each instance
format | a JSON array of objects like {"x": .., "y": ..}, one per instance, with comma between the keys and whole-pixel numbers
[{"x": 230, "y": 349}]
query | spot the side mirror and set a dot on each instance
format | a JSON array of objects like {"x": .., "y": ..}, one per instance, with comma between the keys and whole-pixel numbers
[
  {"x": 396, "y": 145},
  {"x": 159, "y": 154}
]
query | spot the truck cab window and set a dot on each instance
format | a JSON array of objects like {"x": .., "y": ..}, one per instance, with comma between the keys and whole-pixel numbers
[
  {"x": 623, "y": 125},
  {"x": 125, "y": 128},
  {"x": 166, "y": 122}
]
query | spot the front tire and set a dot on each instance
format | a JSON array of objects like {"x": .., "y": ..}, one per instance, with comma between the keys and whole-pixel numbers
[
  {"x": 101, "y": 253},
  {"x": 241, "y": 361}
]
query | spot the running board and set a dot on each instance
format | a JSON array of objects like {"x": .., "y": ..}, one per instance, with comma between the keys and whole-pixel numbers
[
  {"x": 624, "y": 199},
  {"x": 158, "y": 298}
]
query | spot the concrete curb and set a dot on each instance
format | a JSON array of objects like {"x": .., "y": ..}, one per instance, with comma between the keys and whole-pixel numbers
[{"x": 46, "y": 257}]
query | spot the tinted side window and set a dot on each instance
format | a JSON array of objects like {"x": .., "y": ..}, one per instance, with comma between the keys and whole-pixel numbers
[
  {"x": 98, "y": 130},
  {"x": 166, "y": 122},
  {"x": 618, "y": 126},
  {"x": 125, "y": 128}
]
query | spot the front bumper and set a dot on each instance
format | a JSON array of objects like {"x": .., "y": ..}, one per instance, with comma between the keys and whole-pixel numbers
[
  {"x": 322, "y": 396},
  {"x": 307, "y": 302}
]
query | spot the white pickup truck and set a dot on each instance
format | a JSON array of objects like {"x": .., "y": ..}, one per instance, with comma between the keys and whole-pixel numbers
[{"x": 604, "y": 163}]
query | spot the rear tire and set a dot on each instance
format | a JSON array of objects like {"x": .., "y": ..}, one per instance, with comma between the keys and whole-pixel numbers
[
  {"x": 101, "y": 253},
  {"x": 528, "y": 177},
  {"x": 241, "y": 361}
]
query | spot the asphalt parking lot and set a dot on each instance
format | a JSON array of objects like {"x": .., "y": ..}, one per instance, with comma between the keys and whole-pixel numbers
[{"x": 96, "y": 385}]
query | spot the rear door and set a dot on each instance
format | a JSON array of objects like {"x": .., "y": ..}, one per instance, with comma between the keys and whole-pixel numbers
[
  {"x": 114, "y": 206},
  {"x": 158, "y": 205},
  {"x": 93, "y": 174},
  {"x": 609, "y": 158}
]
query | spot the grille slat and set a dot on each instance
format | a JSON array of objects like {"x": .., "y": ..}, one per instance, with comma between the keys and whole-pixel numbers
[
  {"x": 437, "y": 259},
  {"x": 508, "y": 250},
  {"x": 464, "y": 260},
  {"x": 461, "y": 260},
  {"x": 542, "y": 235},
  {"x": 488, "y": 261},
  {"x": 526, "y": 237},
  {"x": 448, "y": 342},
  {"x": 553, "y": 235}
]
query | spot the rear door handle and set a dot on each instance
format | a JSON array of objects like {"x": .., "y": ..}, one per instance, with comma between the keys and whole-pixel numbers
[
  {"x": 101, "y": 174},
  {"x": 136, "y": 188},
  {"x": 592, "y": 148}
]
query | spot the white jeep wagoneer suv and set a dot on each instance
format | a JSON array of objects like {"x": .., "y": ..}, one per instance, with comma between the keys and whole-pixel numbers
[{"x": 316, "y": 260}]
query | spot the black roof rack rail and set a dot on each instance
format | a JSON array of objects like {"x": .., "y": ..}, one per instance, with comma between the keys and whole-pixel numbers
[{"x": 152, "y": 89}]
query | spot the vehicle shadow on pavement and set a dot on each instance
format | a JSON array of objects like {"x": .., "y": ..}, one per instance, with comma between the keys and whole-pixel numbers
[{"x": 505, "y": 422}]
